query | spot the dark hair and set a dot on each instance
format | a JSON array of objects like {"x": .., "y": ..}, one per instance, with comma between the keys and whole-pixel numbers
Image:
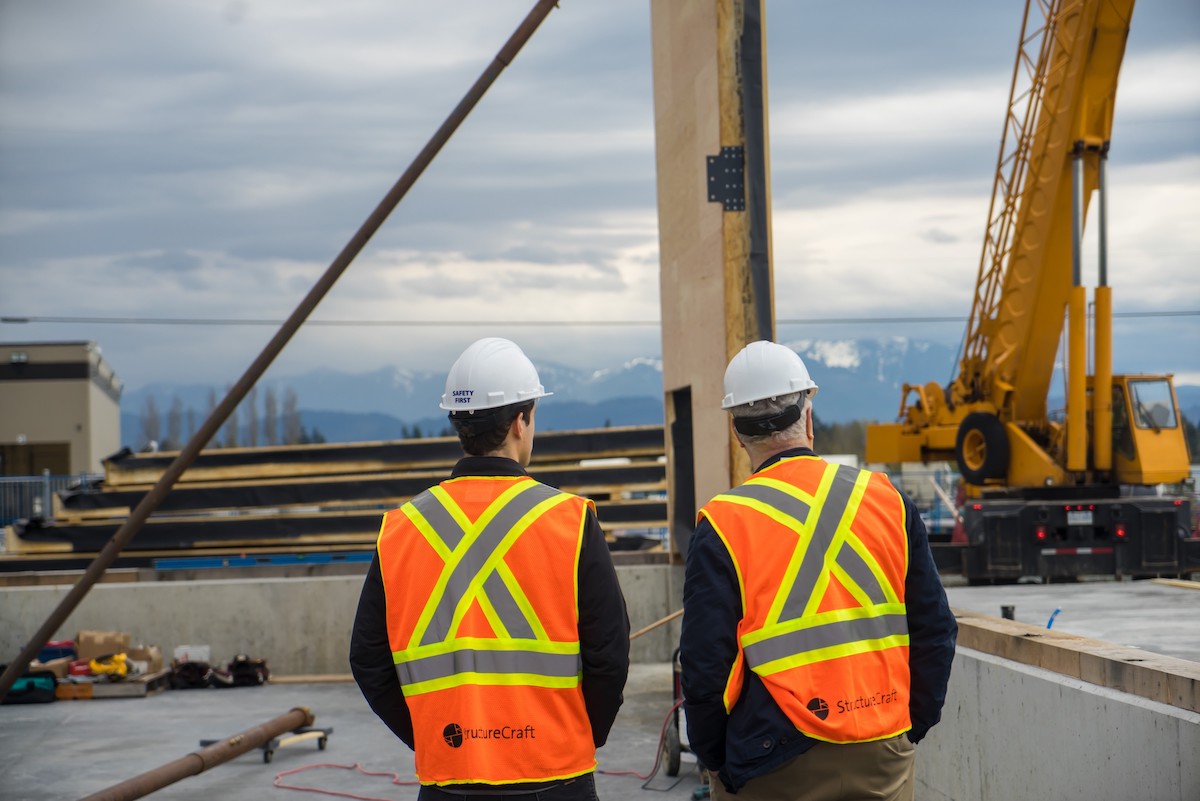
[{"x": 484, "y": 432}]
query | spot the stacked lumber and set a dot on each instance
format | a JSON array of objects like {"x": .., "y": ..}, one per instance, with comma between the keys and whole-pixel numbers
[{"x": 314, "y": 498}]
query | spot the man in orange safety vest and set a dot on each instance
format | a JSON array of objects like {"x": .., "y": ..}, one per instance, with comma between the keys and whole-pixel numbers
[
  {"x": 491, "y": 634},
  {"x": 817, "y": 640}
]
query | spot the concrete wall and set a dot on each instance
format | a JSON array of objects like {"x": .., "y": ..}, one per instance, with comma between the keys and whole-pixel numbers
[
  {"x": 301, "y": 626},
  {"x": 1011, "y": 731},
  {"x": 1106, "y": 722}
]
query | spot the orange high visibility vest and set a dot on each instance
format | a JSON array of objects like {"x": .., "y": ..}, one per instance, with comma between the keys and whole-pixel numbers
[
  {"x": 821, "y": 553},
  {"x": 480, "y": 575}
]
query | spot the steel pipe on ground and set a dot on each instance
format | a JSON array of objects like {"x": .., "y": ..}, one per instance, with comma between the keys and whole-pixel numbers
[{"x": 209, "y": 757}]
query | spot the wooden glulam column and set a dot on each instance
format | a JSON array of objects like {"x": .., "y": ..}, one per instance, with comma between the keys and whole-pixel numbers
[{"x": 711, "y": 131}]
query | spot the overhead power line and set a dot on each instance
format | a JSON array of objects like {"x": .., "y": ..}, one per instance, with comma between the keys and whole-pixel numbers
[
  {"x": 230, "y": 321},
  {"x": 343, "y": 323}
]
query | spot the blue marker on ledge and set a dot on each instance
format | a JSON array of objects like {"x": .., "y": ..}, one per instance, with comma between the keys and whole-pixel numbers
[{"x": 1053, "y": 615}]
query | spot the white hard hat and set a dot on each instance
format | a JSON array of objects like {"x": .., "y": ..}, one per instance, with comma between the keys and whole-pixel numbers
[
  {"x": 491, "y": 372},
  {"x": 764, "y": 370}
]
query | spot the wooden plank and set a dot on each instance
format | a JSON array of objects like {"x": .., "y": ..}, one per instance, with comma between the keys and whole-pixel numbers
[
  {"x": 312, "y": 678},
  {"x": 136, "y": 687},
  {"x": 261, "y": 512},
  {"x": 73, "y": 691},
  {"x": 375, "y": 487},
  {"x": 1180, "y": 583},
  {"x": 1157, "y": 677},
  {"x": 225, "y": 464},
  {"x": 340, "y": 528}
]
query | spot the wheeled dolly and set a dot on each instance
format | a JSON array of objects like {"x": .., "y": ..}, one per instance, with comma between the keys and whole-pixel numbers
[{"x": 321, "y": 735}]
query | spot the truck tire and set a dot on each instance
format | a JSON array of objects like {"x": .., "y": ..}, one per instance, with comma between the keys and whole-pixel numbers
[{"x": 981, "y": 448}]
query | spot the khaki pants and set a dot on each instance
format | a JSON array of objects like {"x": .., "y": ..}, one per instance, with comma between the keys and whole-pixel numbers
[{"x": 826, "y": 772}]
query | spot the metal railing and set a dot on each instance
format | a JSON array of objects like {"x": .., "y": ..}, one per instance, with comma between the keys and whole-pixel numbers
[{"x": 32, "y": 496}]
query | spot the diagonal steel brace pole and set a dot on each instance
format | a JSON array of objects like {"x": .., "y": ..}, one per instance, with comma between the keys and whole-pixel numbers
[{"x": 155, "y": 496}]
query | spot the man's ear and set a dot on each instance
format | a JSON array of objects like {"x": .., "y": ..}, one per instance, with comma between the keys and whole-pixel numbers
[
  {"x": 517, "y": 426},
  {"x": 734, "y": 432}
]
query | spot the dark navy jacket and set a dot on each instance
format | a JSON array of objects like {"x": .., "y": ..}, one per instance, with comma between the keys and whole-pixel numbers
[{"x": 757, "y": 737}]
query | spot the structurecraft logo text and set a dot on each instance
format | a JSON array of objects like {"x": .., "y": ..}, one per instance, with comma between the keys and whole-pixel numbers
[
  {"x": 820, "y": 708},
  {"x": 455, "y": 735},
  {"x": 865, "y": 701}
]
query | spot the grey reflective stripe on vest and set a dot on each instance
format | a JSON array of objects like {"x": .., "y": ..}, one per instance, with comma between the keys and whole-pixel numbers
[
  {"x": 842, "y": 632},
  {"x": 812, "y": 568},
  {"x": 506, "y": 608},
  {"x": 439, "y": 519},
  {"x": 469, "y": 660},
  {"x": 790, "y": 505},
  {"x": 472, "y": 562}
]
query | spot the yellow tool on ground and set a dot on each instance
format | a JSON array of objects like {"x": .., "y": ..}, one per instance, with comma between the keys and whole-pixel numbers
[{"x": 113, "y": 665}]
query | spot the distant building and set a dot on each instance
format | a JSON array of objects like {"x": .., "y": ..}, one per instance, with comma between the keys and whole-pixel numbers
[{"x": 60, "y": 408}]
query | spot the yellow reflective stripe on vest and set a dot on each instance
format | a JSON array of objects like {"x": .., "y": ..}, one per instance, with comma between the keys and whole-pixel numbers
[
  {"x": 794, "y": 633},
  {"x": 472, "y": 564},
  {"x": 474, "y": 571}
]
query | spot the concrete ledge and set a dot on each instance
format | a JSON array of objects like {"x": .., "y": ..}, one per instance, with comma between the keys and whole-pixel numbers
[
  {"x": 1164, "y": 679},
  {"x": 1016, "y": 731}
]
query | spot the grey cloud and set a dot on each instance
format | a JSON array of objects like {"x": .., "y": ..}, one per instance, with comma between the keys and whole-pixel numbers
[
  {"x": 938, "y": 236},
  {"x": 131, "y": 125},
  {"x": 179, "y": 264},
  {"x": 544, "y": 253}
]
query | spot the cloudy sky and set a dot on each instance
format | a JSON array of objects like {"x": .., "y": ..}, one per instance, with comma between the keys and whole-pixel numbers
[{"x": 207, "y": 160}]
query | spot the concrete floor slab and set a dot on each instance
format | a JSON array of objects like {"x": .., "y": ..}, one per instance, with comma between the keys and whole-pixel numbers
[
  {"x": 70, "y": 749},
  {"x": 1157, "y": 617}
]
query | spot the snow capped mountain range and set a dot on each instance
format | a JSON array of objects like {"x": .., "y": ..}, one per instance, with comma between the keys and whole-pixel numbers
[{"x": 859, "y": 379}]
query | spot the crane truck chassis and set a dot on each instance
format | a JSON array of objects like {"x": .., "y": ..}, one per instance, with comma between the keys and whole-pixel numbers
[
  {"x": 1059, "y": 531},
  {"x": 1139, "y": 537}
]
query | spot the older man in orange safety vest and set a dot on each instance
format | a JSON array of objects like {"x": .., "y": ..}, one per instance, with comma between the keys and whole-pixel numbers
[{"x": 817, "y": 640}]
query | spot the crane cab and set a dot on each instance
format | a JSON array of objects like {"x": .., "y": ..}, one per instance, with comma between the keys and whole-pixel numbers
[{"x": 1149, "y": 443}]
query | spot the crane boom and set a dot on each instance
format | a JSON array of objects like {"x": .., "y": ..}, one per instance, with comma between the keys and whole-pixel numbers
[
  {"x": 1048, "y": 495},
  {"x": 1063, "y": 91}
]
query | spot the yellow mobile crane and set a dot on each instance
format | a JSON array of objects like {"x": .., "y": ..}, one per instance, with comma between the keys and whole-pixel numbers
[{"x": 1063, "y": 495}]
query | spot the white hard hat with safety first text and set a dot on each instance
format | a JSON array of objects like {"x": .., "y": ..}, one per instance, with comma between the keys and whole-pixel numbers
[
  {"x": 764, "y": 370},
  {"x": 492, "y": 372}
]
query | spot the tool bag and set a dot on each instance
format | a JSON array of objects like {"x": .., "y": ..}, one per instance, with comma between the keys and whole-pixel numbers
[
  {"x": 248, "y": 671},
  {"x": 34, "y": 687},
  {"x": 190, "y": 675}
]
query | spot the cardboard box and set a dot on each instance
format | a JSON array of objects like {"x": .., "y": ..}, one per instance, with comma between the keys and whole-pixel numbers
[
  {"x": 56, "y": 666},
  {"x": 150, "y": 654},
  {"x": 91, "y": 644}
]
